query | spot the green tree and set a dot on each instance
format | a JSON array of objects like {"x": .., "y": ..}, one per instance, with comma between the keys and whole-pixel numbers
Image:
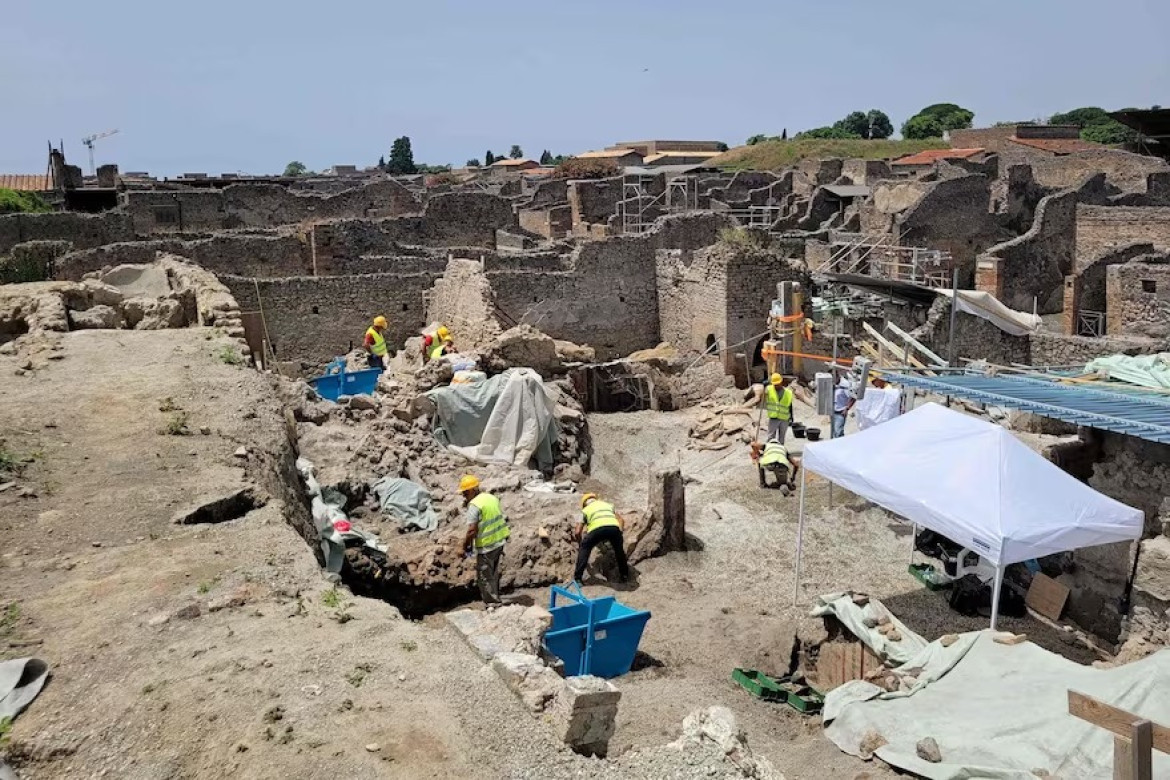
[
  {"x": 546, "y": 157},
  {"x": 721, "y": 146},
  {"x": 854, "y": 125},
  {"x": 878, "y": 125},
  {"x": 757, "y": 138},
  {"x": 516, "y": 153},
  {"x": 489, "y": 158},
  {"x": 381, "y": 163},
  {"x": 472, "y": 163},
  {"x": 784, "y": 134},
  {"x": 401, "y": 157},
  {"x": 1096, "y": 125},
  {"x": 936, "y": 119},
  {"x": 836, "y": 133},
  {"x": 295, "y": 168}
]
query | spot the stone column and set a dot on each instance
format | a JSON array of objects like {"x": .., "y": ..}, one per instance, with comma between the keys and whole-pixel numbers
[
  {"x": 668, "y": 505},
  {"x": 1072, "y": 304}
]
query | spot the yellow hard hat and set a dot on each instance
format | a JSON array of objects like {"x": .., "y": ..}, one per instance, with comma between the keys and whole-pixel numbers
[
  {"x": 468, "y": 483},
  {"x": 442, "y": 332},
  {"x": 380, "y": 322},
  {"x": 585, "y": 499},
  {"x": 777, "y": 379}
]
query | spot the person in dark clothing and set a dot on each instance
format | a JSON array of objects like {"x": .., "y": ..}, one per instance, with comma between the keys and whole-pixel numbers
[{"x": 599, "y": 523}]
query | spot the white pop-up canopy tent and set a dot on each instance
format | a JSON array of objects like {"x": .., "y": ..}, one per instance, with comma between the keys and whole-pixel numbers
[{"x": 974, "y": 483}]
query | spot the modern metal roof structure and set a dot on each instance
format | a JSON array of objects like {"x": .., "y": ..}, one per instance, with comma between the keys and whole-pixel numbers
[{"x": 1133, "y": 413}]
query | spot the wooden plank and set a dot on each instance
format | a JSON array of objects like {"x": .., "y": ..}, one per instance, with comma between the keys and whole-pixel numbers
[
  {"x": 1115, "y": 720},
  {"x": 913, "y": 342},
  {"x": 1123, "y": 768},
  {"x": 1046, "y": 596},
  {"x": 1141, "y": 755}
]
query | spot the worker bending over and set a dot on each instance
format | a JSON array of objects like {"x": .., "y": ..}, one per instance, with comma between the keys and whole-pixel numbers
[
  {"x": 600, "y": 523},
  {"x": 487, "y": 531},
  {"x": 777, "y": 402},
  {"x": 443, "y": 344},
  {"x": 773, "y": 457},
  {"x": 375, "y": 343}
]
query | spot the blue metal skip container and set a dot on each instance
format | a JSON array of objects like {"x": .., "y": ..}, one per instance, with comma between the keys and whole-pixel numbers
[
  {"x": 593, "y": 636},
  {"x": 338, "y": 382}
]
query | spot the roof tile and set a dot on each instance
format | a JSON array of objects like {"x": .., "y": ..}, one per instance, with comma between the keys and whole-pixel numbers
[
  {"x": 35, "y": 182},
  {"x": 1057, "y": 145},
  {"x": 929, "y": 156}
]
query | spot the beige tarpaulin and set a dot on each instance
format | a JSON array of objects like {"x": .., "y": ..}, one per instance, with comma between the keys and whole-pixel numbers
[{"x": 987, "y": 306}]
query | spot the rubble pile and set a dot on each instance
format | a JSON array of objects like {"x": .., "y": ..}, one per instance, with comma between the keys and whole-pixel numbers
[
  {"x": 679, "y": 381},
  {"x": 719, "y": 427}
]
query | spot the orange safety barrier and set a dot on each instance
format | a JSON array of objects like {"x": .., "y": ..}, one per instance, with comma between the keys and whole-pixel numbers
[{"x": 766, "y": 352}]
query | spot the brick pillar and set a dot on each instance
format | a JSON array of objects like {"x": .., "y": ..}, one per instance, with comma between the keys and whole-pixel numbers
[
  {"x": 1072, "y": 304},
  {"x": 988, "y": 277}
]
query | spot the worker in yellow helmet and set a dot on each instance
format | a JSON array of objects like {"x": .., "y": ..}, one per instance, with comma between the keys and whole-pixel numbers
[
  {"x": 443, "y": 345},
  {"x": 487, "y": 532},
  {"x": 599, "y": 523},
  {"x": 375, "y": 343},
  {"x": 777, "y": 402}
]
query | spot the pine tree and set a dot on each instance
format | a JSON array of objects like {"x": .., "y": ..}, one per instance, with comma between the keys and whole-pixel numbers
[
  {"x": 516, "y": 152},
  {"x": 489, "y": 158},
  {"x": 546, "y": 157},
  {"x": 401, "y": 157},
  {"x": 784, "y": 134},
  {"x": 381, "y": 163}
]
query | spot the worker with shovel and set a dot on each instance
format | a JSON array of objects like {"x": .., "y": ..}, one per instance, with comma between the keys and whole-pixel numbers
[
  {"x": 487, "y": 531},
  {"x": 599, "y": 523}
]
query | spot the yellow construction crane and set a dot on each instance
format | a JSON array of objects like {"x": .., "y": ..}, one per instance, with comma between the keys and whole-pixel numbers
[{"x": 88, "y": 141}]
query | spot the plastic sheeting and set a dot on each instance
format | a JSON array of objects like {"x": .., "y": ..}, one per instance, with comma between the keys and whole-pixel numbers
[
  {"x": 407, "y": 502},
  {"x": 853, "y": 616},
  {"x": 333, "y": 527},
  {"x": 988, "y": 307},
  {"x": 1141, "y": 370},
  {"x": 878, "y": 405},
  {"x": 974, "y": 483},
  {"x": 21, "y": 680},
  {"x": 508, "y": 418},
  {"x": 998, "y": 711}
]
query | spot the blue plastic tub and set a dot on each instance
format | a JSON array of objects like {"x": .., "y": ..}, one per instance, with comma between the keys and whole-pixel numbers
[
  {"x": 338, "y": 382},
  {"x": 593, "y": 636}
]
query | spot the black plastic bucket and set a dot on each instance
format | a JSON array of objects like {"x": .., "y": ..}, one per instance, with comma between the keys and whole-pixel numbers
[{"x": 813, "y": 434}]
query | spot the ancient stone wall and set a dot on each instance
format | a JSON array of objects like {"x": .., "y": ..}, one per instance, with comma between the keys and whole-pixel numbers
[
  {"x": 1124, "y": 170},
  {"x": 1137, "y": 300},
  {"x": 1034, "y": 265},
  {"x": 953, "y": 215},
  {"x": 241, "y": 254},
  {"x": 993, "y": 139},
  {"x": 1055, "y": 349},
  {"x": 692, "y": 298},
  {"x": 593, "y": 201},
  {"x": 82, "y": 230},
  {"x": 1103, "y": 228},
  {"x": 462, "y": 300},
  {"x": 315, "y": 319}
]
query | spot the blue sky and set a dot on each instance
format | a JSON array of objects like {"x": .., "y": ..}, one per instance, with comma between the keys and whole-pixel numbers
[{"x": 249, "y": 85}]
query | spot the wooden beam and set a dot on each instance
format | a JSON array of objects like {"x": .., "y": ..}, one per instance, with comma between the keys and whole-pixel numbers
[
  {"x": 916, "y": 344},
  {"x": 1116, "y": 720}
]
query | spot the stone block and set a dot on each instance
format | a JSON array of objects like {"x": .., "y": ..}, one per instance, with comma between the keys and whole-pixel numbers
[
  {"x": 95, "y": 317},
  {"x": 1152, "y": 577},
  {"x": 586, "y": 692},
  {"x": 528, "y": 677}
]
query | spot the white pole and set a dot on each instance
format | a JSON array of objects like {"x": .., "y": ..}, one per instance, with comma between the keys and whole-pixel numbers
[
  {"x": 995, "y": 595},
  {"x": 799, "y": 536}
]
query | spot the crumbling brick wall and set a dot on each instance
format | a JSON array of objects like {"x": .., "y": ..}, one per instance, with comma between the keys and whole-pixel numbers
[
  {"x": 953, "y": 215},
  {"x": 1033, "y": 266},
  {"x": 1124, "y": 170},
  {"x": 462, "y": 300},
  {"x": 82, "y": 230},
  {"x": 1137, "y": 300},
  {"x": 1103, "y": 228},
  {"x": 1054, "y": 349},
  {"x": 241, "y": 254},
  {"x": 593, "y": 201}
]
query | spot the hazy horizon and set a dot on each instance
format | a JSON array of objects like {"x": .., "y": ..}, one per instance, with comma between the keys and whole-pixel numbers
[{"x": 234, "y": 87}]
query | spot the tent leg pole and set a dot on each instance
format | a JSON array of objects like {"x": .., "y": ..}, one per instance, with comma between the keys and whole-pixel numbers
[
  {"x": 995, "y": 595},
  {"x": 913, "y": 536},
  {"x": 799, "y": 537}
]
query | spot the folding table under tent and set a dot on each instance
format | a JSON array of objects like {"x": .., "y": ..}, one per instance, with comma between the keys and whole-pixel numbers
[{"x": 972, "y": 482}]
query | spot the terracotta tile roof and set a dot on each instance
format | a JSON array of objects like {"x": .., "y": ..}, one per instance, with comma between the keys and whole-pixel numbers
[
  {"x": 36, "y": 182},
  {"x": 934, "y": 155},
  {"x": 511, "y": 163},
  {"x": 1057, "y": 145},
  {"x": 543, "y": 171},
  {"x": 605, "y": 154}
]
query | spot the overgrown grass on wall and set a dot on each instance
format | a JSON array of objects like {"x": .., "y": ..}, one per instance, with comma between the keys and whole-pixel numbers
[
  {"x": 775, "y": 154},
  {"x": 20, "y": 202}
]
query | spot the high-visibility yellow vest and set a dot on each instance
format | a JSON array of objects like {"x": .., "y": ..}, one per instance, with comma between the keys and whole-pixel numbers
[
  {"x": 778, "y": 405},
  {"x": 775, "y": 453},
  {"x": 493, "y": 526},
  {"x": 599, "y": 514},
  {"x": 379, "y": 346},
  {"x": 437, "y": 352}
]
